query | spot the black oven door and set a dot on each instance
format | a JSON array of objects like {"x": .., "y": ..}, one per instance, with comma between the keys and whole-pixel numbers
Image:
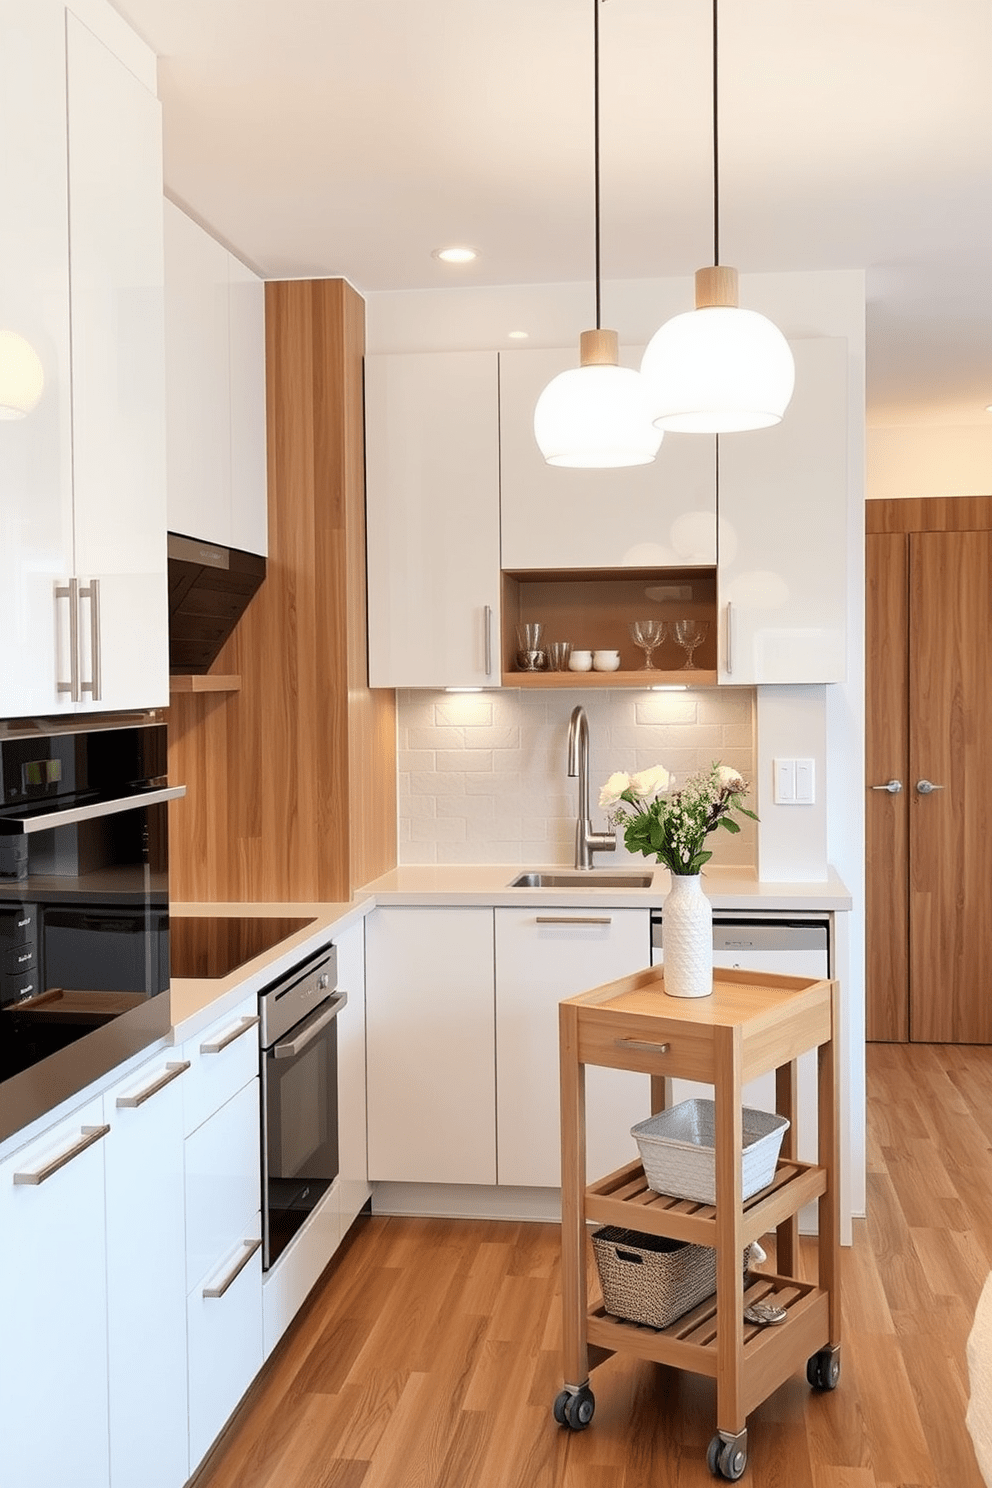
[{"x": 300, "y": 1124}]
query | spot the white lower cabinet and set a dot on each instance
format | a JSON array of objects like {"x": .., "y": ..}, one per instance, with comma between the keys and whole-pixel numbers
[
  {"x": 354, "y": 1189},
  {"x": 53, "y": 1308},
  {"x": 223, "y": 1223},
  {"x": 542, "y": 956},
  {"x": 430, "y": 1030},
  {"x": 146, "y": 1276}
]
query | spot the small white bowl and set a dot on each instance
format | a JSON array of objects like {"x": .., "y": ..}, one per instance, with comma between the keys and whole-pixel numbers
[
  {"x": 580, "y": 661},
  {"x": 606, "y": 661}
]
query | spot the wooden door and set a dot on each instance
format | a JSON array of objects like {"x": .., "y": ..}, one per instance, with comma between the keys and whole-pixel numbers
[
  {"x": 887, "y": 763},
  {"x": 928, "y": 715},
  {"x": 950, "y": 831}
]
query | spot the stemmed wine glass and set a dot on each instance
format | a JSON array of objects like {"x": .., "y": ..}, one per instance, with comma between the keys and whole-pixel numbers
[
  {"x": 648, "y": 634},
  {"x": 689, "y": 634}
]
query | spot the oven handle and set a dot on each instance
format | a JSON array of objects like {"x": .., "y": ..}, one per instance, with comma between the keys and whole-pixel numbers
[
  {"x": 310, "y": 1028},
  {"x": 49, "y": 819}
]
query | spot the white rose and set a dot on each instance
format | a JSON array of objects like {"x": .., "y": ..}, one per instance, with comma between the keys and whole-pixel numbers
[
  {"x": 730, "y": 779},
  {"x": 653, "y": 782},
  {"x": 614, "y": 788}
]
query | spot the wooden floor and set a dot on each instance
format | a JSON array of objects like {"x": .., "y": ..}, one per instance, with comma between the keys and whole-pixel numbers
[{"x": 428, "y": 1355}]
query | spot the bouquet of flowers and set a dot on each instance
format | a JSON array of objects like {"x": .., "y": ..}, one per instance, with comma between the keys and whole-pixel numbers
[{"x": 672, "y": 825}]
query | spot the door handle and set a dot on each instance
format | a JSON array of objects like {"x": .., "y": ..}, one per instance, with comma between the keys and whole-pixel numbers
[
  {"x": 924, "y": 787},
  {"x": 892, "y": 786},
  {"x": 94, "y": 687}
]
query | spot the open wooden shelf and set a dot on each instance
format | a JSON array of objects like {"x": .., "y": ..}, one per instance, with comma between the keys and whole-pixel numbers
[
  {"x": 594, "y": 611},
  {"x": 203, "y": 682},
  {"x": 697, "y": 677}
]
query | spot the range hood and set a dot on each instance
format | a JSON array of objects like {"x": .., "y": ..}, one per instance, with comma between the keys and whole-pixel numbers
[{"x": 210, "y": 587}]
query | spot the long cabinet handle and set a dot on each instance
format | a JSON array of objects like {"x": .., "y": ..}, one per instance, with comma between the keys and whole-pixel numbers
[
  {"x": 730, "y": 639},
  {"x": 172, "y": 1072},
  {"x": 70, "y": 592},
  {"x": 573, "y": 919},
  {"x": 214, "y": 1046},
  {"x": 94, "y": 686},
  {"x": 250, "y": 1247},
  {"x": 643, "y": 1045},
  {"x": 90, "y": 1135},
  {"x": 488, "y": 639}
]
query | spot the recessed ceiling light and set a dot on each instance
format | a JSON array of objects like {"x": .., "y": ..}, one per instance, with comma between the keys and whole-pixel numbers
[
  {"x": 518, "y": 335},
  {"x": 456, "y": 254}
]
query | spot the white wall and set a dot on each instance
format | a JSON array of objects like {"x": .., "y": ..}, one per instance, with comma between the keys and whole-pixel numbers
[
  {"x": 830, "y": 303},
  {"x": 930, "y": 460}
]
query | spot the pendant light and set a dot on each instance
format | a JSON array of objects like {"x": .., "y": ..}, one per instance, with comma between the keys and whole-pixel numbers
[
  {"x": 597, "y": 415},
  {"x": 718, "y": 369},
  {"x": 22, "y": 377}
]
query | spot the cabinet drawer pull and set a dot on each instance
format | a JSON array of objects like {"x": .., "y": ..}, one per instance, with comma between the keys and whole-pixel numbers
[
  {"x": 573, "y": 920},
  {"x": 216, "y": 1045},
  {"x": 90, "y": 1135},
  {"x": 250, "y": 1247},
  {"x": 172, "y": 1072},
  {"x": 643, "y": 1044}
]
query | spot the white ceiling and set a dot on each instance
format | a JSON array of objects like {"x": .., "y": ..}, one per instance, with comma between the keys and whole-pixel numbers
[{"x": 326, "y": 137}]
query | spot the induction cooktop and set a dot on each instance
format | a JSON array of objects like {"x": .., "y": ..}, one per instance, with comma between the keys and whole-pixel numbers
[{"x": 216, "y": 945}]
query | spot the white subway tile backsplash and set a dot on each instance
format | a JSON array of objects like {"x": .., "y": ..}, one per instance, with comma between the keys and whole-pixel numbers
[{"x": 483, "y": 779}]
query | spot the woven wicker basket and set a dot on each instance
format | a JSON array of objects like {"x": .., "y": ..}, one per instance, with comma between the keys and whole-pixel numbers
[
  {"x": 678, "y": 1150},
  {"x": 652, "y": 1280}
]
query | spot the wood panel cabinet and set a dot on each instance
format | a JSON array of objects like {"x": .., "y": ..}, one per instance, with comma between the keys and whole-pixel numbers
[
  {"x": 82, "y": 556},
  {"x": 215, "y": 390},
  {"x": 432, "y": 462},
  {"x": 543, "y": 956},
  {"x": 430, "y": 1030},
  {"x": 783, "y": 532},
  {"x": 646, "y": 516}
]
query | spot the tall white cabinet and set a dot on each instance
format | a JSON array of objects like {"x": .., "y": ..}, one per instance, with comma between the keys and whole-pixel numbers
[
  {"x": 83, "y": 599},
  {"x": 215, "y": 369}
]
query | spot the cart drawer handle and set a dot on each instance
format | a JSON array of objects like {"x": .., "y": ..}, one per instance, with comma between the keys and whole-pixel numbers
[{"x": 649, "y": 1048}]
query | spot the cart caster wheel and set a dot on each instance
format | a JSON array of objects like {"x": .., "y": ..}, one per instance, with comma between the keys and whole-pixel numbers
[
  {"x": 726, "y": 1459},
  {"x": 574, "y": 1411},
  {"x": 823, "y": 1369}
]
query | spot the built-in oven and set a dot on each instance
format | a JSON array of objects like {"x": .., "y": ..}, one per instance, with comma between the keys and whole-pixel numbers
[
  {"x": 84, "y": 909},
  {"x": 299, "y": 1067}
]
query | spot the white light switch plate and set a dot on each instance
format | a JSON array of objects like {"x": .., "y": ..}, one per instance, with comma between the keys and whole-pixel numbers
[{"x": 795, "y": 782}]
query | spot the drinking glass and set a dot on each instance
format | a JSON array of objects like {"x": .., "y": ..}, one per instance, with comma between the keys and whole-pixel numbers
[
  {"x": 648, "y": 634},
  {"x": 689, "y": 634}
]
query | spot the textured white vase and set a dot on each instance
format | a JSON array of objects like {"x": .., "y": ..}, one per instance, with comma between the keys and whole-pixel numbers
[{"x": 687, "y": 938}]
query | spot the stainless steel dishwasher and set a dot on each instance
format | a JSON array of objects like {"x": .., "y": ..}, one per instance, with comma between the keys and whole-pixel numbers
[{"x": 787, "y": 945}]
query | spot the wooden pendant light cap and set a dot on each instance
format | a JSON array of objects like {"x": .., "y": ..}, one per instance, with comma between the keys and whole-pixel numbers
[
  {"x": 716, "y": 285},
  {"x": 599, "y": 349}
]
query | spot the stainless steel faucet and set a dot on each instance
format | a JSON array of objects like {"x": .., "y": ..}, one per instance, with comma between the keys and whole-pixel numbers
[{"x": 586, "y": 840}]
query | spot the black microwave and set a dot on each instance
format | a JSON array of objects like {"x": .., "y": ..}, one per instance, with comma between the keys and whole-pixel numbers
[{"x": 84, "y": 910}]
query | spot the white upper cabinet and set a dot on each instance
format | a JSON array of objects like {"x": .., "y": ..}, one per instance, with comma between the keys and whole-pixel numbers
[
  {"x": 645, "y": 516},
  {"x": 83, "y": 598},
  {"x": 432, "y": 477},
  {"x": 215, "y": 367},
  {"x": 783, "y": 532}
]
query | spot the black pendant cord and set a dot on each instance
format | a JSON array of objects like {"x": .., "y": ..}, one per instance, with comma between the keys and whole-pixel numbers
[
  {"x": 595, "y": 135},
  {"x": 716, "y": 146}
]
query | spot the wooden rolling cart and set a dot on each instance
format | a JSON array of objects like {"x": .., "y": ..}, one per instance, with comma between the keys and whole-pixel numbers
[{"x": 750, "y": 1024}]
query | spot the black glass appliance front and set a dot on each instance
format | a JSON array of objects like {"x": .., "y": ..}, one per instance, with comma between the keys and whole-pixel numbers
[{"x": 84, "y": 910}]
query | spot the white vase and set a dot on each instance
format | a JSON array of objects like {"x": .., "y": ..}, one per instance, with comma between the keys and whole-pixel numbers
[{"x": 687, "y": 938}]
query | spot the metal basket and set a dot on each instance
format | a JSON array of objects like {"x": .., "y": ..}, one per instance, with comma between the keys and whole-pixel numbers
[
  {"x": 652, "y": 1280},
  {"x": 677, "y": 1149}
]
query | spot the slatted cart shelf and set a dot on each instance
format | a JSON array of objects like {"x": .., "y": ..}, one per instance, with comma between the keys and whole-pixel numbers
[{"x": 751, "y": 1023}]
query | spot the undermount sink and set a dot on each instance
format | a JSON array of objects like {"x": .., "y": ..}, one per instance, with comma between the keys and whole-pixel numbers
[{"x": 581, "y": 879}]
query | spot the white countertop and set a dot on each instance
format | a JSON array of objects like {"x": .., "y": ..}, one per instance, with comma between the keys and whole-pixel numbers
[{"x": 197, "y": 1001}]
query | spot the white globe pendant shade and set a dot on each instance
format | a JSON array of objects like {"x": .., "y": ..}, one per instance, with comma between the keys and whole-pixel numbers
[
  {"x": 597, "y": 415},
  {"x": 22, "y": 377},
  {"x": 718, "y": 369}
]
